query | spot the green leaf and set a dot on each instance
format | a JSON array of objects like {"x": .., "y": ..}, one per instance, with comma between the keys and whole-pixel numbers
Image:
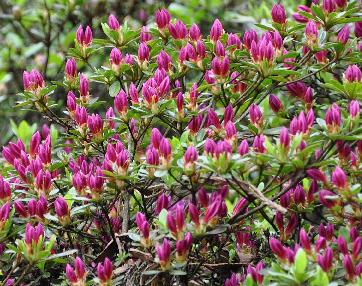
[
  {"x": 300, "y": 264},
  {"x": 114, "y": 89}
]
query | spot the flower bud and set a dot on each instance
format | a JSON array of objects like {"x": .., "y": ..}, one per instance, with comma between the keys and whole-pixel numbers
[
  {"x": 162, "y": 18},
  {"x": 113, "y": 22},
  {"x": 343, "y": 35},
  {"x": 277, "y": 248},
  {"x": 353, "y": 74},
  {"x": 275, "y": 104},
  {"x": 84, "y": 37},
  {"x": 195, "y": 33},
  {"x": 143, "y": 52},
  {"x": 339, "y": 178},
  {"x": 164, "y": 252},
  {"x": 326, "y": 261},
  {"x": 278, "y": 14},
  {"x": 216, "y": 30},
  {"x": 71, "y": 69},
  {"x": 178, "y": 30},
  {"x": 105, "y": 271}
]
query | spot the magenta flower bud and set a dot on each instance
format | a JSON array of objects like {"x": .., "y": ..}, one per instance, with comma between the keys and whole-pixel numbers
[
  {"x": 164, "y": 60},
  {"x": 317, "y": 175},
  {"x": 325, "y": 197},
  {"x": 133, "y": 93},
  {"x": 278, "y": 14},
  {"x": 234, "y": 280},
  {"x": 233, "y": 40},
  {"x": 203, "y": 197},
  {"x": 284, "y": 137},
  {"x": 32, "y": 207},
  {"x": 212, "y": 210},
  {"x": 5, "y": 192},
  {"x": 256, "y": 117},
  {"x": 210, "y": 146},
  {"x": 163, "y": 17},
  {"x": 357, "y": 248},
  {"x": 311, "y": 30},
  {"x": 43, "y": 181},
  {"x": 171, "y": 223},
  {"x": 358, "y": 29},
  {"x": 243, "y": 148},
  {"x": 304, "y": 240},
  {"x": 156, "y": 137},
  {"x": 95, "y": 124},
  {"x": 342, "y": 245},
  {"x": 32, "y": 234},
  {"x": 34, "y": 144},
  {"x": 230, "y": 131},
  {"x": 70, "y": 273},
  {"x": 61, "y": 207},
  {"x": 121, "y": 102},
  {"x": 110, "y": 118},
  {"x": 105, "y": 271},
  {"x": 194, "y": 214},
  {"x": 83, "y": 86},
  {"x": 213, "y": 119},
  {"x": 152, "y": 156},
  {"x": 71, "y": 68},
  {"x": 275, "y": 104},
  {"x": 41, "y": 207},
  {"x": 343, "y": 35},
  {"x": 4, "y": 212},
  {"x": 178, "y": 30},
  {"x": 71, "y": 101},
  {"x": 241, "y": 205},
  {"x": 81, "y": 115},
  {"x": 326, "y": 261},
  {"x": 195, "y": 33},
  {"x": 113, "y": 22},
  {"x": 195, "y": 124},
  {"x": 228, "y": 114},
  {"x": 249, "y": 37},
  {"x": 258, "y": 143},
  {"x": 163, "y": 202},
  {"x": 165, "y": 148},
  {"x": 354, "y": 109},
  {"x": 339, "y": 178},
  {"x": 216, "y": 30},
  {"x": 348, "y": 266},
  {"x": 33, "y": 81},
  {"x": 277, "y": 248},
  {"x": 190, "y": 155},
  {"x": 353, "y": 74},
  {"x": 299, "y": 195},
  {"x": 180, "y": 216},
  {"x": 164, "y": 252},
  {"x": 292, "y": 225},
  {"x": 115, "y": 57},
  {"x": 329, "y": 6},
  {"x": 79, "y": 268},
  {"x": 223, "y": 148},
  {"x": 84, "y": 38},
  {"x": 340, "y": 3},
  {"x": 143, "y": 52},
  {"x": 353, "y": 234},
  {"x": 219, "y": 49},
  {"x": 145, "y": 35},
  {"x": 20, "y": 208}
]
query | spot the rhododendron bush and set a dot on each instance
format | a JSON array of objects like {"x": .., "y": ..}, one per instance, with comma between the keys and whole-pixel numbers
[{"x": 192, "y": 159}]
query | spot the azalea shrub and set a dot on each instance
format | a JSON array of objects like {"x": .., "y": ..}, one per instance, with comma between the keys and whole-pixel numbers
[{"x": 192, "y": 159}]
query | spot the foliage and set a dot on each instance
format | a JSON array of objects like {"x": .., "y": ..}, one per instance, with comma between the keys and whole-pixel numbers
[{"x": 224, "y": 159}]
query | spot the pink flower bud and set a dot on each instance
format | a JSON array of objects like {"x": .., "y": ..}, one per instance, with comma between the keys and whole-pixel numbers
[
  {"x": 212, "y": 210},
  {"x": 304, "y": 240},
  {"x": 164, "y": 60},
  {"x": 311, "y": 30},
  {"x": 329, "y": 6},
  {"x": 243, "y": 148},
  {"x": 165, "y": 148},
  {"x": 277, "y": 248},
  {"x": 61, "y": 207},
  {"x": 143, "y": 52},
  {"x": 195, "y": 33},
  {"x": 190, "y": 155},
  {"x": 258, "y": 143},
  {"x": 234, "y": 40},
  {"x": 326, "y": 261},
  {"x": 105, "y": 271},
  {"x": 216, "y": 30},
  {"x": 354, "y": 109},
  {"x": 95, "y": 124},
  {"x": 284, "y": 137},
  {"x": 339, "y": 178},
  {"x": 219, "y": 49},
  {"x": 317, "y": 175},
  {"x": 145, "y": 35},
  {"x": 71, "y": 101},
  {"x": 357, "y": 248},
  {"x": 343, "y": 35},
  {"x": 115, "y": 57},
  {"x": 164, "y": 252},
  {"x": 194, "y": 214},
  {"x": 213, "y": 119},
  {"x": 71, "y": 276},
  {"x": 358, "y": 29},
  {"x": 84, "y": 38},
  {"x": 156, "y": 137},
  {"x": 348, "y": 266},
  {"x": 83, "y": 86},
  {"x": 278, "y": 14},
  {"x": 275, "y": 104},
  {"x": 121, "y": 102},
  {"x": 249, "y": 37},
  {"x": 71, "y": 68},
  {"x": 163, "y": 202},
  {"x": 203, "y": 197},
  {"x": 325, "y": 197},
  {"x": 353, "y": 74},
  {"x": 113, "y": 22},
  {"x": 195, "y": 124},
  {"x": 163, "y": 17},
  {"x": 178, "y": 30},
  {"x": 342, "y": 245},
  {"x": 81, "y": 116}
]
